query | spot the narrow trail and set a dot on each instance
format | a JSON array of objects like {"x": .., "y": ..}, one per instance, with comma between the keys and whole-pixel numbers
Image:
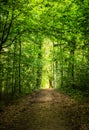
[{"x": 45, "y": 110}]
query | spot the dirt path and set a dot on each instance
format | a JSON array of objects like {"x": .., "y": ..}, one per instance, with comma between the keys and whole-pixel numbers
[{"x": 45, "y": 110}]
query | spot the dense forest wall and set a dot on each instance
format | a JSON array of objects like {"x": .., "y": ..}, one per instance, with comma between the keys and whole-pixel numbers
[{"x": 24, "y": 26}]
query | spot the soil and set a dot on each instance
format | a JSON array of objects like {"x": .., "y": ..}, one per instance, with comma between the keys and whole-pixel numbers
[{"x": 45, "y": 109}]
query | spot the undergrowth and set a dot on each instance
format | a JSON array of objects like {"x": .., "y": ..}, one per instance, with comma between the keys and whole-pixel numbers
[{"x": 81, "y": 96}]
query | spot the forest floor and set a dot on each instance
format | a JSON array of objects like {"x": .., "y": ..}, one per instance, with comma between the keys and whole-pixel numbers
[{"x": 45, "y": 109}]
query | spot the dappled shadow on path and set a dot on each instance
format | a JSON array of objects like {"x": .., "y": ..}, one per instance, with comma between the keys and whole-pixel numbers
[{"x": 45, "y": 110}]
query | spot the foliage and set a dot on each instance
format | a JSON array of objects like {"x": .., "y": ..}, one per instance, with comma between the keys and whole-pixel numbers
[{"x": 25, "y": 25}]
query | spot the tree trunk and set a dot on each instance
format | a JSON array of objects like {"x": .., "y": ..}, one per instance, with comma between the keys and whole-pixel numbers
[
  {"x": 61, "y": 64},
  {"x": 19, "y": 78},
  {"x": 39, "y": 69},
  {"x": 1, "y": 67},
  {"x": 71, "y": 63}
]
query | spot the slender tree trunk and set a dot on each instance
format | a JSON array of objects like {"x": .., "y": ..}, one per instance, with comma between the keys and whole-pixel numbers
[
  {"x": 13, "y": 72},
  {"x": 61, "y": 64},
  {"x": 1, "y": 67},
  {"x": 53, "y": 68},
  {"x": 13, "y": 79},
  {"x": 72, "y": 66},
  {"x": 56, "y": 70},
  {"x": 19, "y": 66},
  {"x": 71, "y": 63},
  {"x": 39, "y": 70},
  {"x": 7, "y": 75}
]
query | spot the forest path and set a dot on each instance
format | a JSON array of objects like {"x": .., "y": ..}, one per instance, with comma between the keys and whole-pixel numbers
[{"x": 45, "y": 109}]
